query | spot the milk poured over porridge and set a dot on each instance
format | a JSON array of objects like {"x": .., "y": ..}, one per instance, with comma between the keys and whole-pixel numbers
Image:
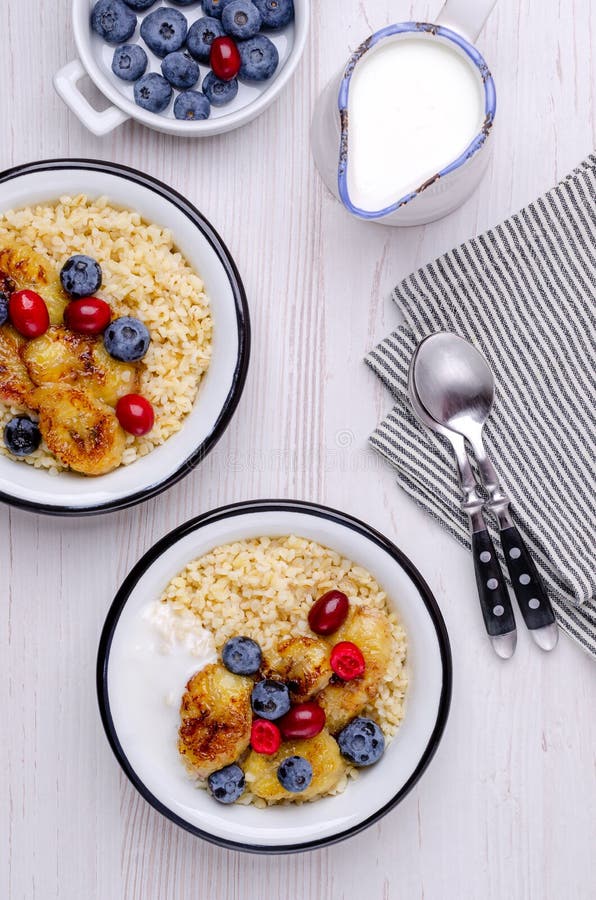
[{"x": 415, "y": 105}]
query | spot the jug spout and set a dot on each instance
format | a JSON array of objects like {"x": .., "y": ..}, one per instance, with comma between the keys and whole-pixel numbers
[{"x": 466, "y": 16}]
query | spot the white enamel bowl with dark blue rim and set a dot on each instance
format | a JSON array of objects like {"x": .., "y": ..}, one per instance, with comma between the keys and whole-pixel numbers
[
  {"x": 154, "y": 767},
  {"x": 219, "y": 392}
]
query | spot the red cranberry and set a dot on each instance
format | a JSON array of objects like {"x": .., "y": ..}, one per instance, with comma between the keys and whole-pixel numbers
[
  {"x": 28, "y": 313},
  {"x": 265, "y": 737},
  {"x": 328, "y": 613},
  {"x": 225, "y": 58},
  {"x": 347, "y": 661},
  {"x": 303, "y": 721},
  {"x": 135, "y": 414},
  {"x": 88, "y": 316}
]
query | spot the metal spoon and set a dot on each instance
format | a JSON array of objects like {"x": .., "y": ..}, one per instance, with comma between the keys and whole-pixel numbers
[
  {"x": 492, "y": 590},
  {"x": 455, "y": 385}
]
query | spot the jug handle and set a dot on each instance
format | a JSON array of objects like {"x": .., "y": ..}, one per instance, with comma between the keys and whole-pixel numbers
[{"x": 466, "y": 16}]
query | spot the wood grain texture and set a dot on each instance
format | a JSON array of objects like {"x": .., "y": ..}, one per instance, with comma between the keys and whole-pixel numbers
[{"x": 506, "y": 810}]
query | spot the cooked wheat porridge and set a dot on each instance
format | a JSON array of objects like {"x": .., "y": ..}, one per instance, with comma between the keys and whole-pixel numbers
[
  {"x": 300, "y": 677},
  {"x": 147, "y": 285}
]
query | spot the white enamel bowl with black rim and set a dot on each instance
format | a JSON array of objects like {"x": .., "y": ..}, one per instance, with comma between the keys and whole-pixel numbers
[
  {"x": 220, "y": 390},
  {"x": 95, "y": 60},
  {"x": 153, "y": 765}
]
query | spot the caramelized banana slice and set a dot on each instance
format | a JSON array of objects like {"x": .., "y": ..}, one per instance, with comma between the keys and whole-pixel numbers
[
  {"x": 61, "y": 355},
  {"x": 82, "y": 432},
  {"x": 216, "y": 719},
  {"x": 303, "y": 664},
  {"x": 22, "y": 267},
  {"x": 15, "y": 384},
  {"x": 323, "y": 754},
  {"x": 369, "y": 629}
]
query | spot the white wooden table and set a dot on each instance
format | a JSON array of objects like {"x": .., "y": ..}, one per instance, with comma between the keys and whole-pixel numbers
[{"x": 507, "y": 809}]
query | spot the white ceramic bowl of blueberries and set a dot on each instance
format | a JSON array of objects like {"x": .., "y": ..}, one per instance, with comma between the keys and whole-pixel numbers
[{"x": 192, "y": 68}]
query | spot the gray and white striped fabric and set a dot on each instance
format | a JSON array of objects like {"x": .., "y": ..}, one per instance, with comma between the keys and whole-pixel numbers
[{"x": 524, "y": 293}]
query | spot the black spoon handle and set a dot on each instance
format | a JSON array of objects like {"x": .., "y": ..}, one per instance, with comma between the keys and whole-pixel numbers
[
  {"x": 492, "y": 589},
  {"x": 527, "y": 585}
]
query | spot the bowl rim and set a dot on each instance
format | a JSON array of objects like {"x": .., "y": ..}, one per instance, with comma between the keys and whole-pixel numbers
[
  {"x": 242, "y": 319},
  {"x": 230, "y": 511},
  {"x": 207, "y": 127}
]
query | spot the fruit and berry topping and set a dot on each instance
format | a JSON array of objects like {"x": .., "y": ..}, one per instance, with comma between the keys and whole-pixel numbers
[
  {"x": 270, "y": 699},
  {"x": 129, "y": 62},
  {"x": 201, "y": 35},
  {"x": 22, "y": 436},
  {"x": 328, "y": 613},
  {"x": 260, "y": 58},
  {"x": 295, "y": 774},
  {"x": 113, "y": 21},
  {"x": 347, "y": 661},
  {"x": 241, "y": 655},
  {"x": 227, "y": 785},
  {"x": 127, "y": 339},
  {"x": 265, "y": 737},
  {"x": 361, "y": 742},
  {"x": 4, "y": 299},
  {"x": 219, "y": 92},
  {"x": 181, "y": 70},
  {"x": 164, "y": 31},
  {"x": 305, "y": 720},
  {"x": 80, "y": 276},
  {"x": 192, "y": 106},
  {"x": 28, "y": 313},
  {"x": 225, "y": 59},
  {"x": 90, "y": 315},
  {"x": 153, "y": 92},
  {"x": 135, "y": 414},
  {"x": 241, "y": 19},
  {"x": 275, "y": 13}
]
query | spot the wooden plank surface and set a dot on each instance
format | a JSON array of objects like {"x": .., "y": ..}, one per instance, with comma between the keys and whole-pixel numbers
[{"x": 506, "y": 810}]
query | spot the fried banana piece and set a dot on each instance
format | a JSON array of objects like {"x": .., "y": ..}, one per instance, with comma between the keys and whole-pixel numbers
[
  {"x": 303, "y": 664},
  {"x": 22, "y": 267},
  {"x": 323, "y": 754},
  {"x": 62, "y": 356},
  {"x": 216, "y": 719},
  {"x": 370, "y": 630},
  {"x": 15, "y": 384},
  {"x": 82, "y": 432}
]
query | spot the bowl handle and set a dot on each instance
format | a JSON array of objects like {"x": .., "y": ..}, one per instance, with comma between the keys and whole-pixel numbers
[
  {"x": 66, "y": 83},
  {"x": 466, "y": 16}
]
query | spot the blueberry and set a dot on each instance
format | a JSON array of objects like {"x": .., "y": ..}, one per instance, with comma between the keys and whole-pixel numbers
[
  {"x": 361, "y": 742},
  {"x": 22, "y": 436},
  {"x": 126, "y": 339},
  {"x": 275, "y": 13},
  {"x": 219, "y": 92},
  {"x": 192, "y": 106},
  {"x": 242, "y": 656},
  {"x": 215, "y": 7},
  {"x": 270, "y": 699},
  {"x": 241, "y": 19},
  {"x": 113, "y": 21},
  {"x": 294, "y": 774},
  {"x": 164, "y": 31},
  {"x": 139, "y": 5},
  {"x": 80, "y": 276},
  {"x": 259, "y": 58},
  {"x": 182, "y": 2},
  {"x": 153, "y": 92},
  {"x": 201, "y": 35},
  {"x": 227, "y": 784},
  {"x": 4, "y": 298},
  {"x": 129, "y": 62},
  {"x": 180, "y": 69}
]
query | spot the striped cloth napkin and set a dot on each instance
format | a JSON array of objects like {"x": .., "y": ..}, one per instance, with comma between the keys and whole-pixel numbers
[{"x": 524, "y": 293}]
